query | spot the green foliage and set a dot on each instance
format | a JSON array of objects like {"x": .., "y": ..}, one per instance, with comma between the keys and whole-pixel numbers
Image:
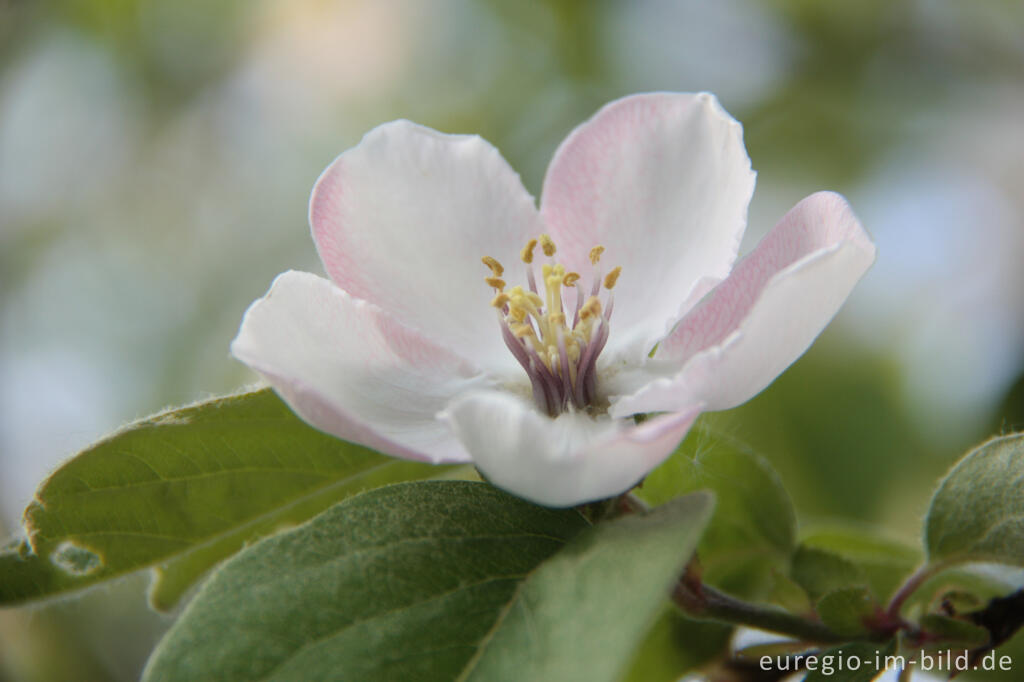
[
  {"x": 820, "y": 571},
  {"x": 753, "y": 530},
  {"x": 963, "y": 589},
  {"x": 977, "y": 513},
  {"x": 436, "y": 580},
  {"x": 676, "y": 645},
  {"x": 848, "y": 611},
  {"x": 954, "y": 631},
  {"x": 881, "y": 562},
  {"x": 181, "y": 491}
]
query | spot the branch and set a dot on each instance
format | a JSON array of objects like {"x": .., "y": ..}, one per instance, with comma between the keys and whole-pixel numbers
[{"x": 703, "y": 602}]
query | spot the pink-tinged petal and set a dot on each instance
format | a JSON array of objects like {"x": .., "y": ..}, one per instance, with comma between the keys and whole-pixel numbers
[
  {"x": 564, "y": 461},
  {"x": 349, "y": 369},
  {"x": 662, "y": 181},
  {"x": 402, "y": 221},
  {"x": 769, "y": 311}
]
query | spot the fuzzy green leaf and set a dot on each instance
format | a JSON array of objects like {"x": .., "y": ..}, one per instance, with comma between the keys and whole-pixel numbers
[
  {"x": 676, "y": 645},
  {"x": 582, "y": 614},
  {"x": 181, "y": 491},
  {"x": 436, "y": 581},
  {"x": 954, "y": 631},
  {"x": 977, "y": 513},
  {"x": 819, "y": 571},
  {"x": 882, "y": 562},
  {"x": 847, "y": 611}
]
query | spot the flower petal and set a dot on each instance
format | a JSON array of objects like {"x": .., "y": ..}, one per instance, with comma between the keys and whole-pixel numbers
[
  {"x": 769, "y": 311},
  {"x": 662, "y": 181},
  {"x": 402, "y": 221},
  {"x": 564, "y": 461},
  {"x": 349, "y": 369}
]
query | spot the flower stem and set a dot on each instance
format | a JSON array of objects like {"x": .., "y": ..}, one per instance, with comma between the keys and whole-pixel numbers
[{"x": 704, "y": 602}]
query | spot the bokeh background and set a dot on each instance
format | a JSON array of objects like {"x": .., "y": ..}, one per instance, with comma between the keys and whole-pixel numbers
[{"x": 156, "y": 158}]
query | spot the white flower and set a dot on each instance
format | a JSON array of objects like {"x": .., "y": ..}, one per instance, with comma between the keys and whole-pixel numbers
[{"x": 409, "y": 351}]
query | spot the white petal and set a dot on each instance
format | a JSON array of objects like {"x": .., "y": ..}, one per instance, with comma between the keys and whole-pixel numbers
[
  {"x": 564, "y": 461},
  {"x": 769, "y": 311},
  {"x": 402, "y": 221},
  {"x": 349, "y": 369},
  {"x": 663, "y": 182}
]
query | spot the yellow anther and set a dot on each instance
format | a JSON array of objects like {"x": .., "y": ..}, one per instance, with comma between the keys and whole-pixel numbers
[
  {"x": 551, "y": 336},
  {"x": 612, "y": 277},
  {"x": 496, "y": 268},
  {"x": 527, "y": 253},
  {"x": 592, "y": 308},
  {"x": 573, "y": 351},
  {"x": 522, "y": 330},
  {"x": 547, "y": 245}
]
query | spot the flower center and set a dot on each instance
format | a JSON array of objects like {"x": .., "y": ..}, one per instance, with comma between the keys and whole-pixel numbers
[{"x": 558, "y": 349}]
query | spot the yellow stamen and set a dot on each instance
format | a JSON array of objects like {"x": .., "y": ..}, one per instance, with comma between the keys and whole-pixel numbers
[
  {"x": 547, "y": 245},
  {"x": 592, "y": 308},
  {"x": 496, "y": 268},
  {"x": 527, "y": 253},
  {"x": 522, "y": 330},
  {"x": 612, "y": 277},
  {"x": 550, "y": 334}
]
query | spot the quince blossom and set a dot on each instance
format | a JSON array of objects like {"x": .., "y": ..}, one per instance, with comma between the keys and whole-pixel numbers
[{"x": 461, "y": 324}]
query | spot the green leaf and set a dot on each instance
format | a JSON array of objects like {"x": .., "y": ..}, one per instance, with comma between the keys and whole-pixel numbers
[
  {"x": 436, "y": 581},
  {"x": 882, "y": 562},
  {"x": 788, "y": 594},
  {"x": 819, "y": 571},
  {"x": 977, "y": 513},
  {"x": 581, "y": 614},
  {"x": 181, "y": 491},
  {"x": 677, "y": 645},
  {"x": 954, "y": 631},
  {"x": 847, "y": 611},
  {"x": 753, "y": 530},
  {"x": 964, "y": 589},
  {"x": 835, "y": 664}
]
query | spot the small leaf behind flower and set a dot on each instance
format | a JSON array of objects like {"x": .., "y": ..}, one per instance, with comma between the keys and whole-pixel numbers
[{"x": 753, "y": 531}]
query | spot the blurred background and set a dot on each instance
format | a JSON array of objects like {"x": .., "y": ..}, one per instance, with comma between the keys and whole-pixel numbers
[{"x": 156, "y": 158}]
